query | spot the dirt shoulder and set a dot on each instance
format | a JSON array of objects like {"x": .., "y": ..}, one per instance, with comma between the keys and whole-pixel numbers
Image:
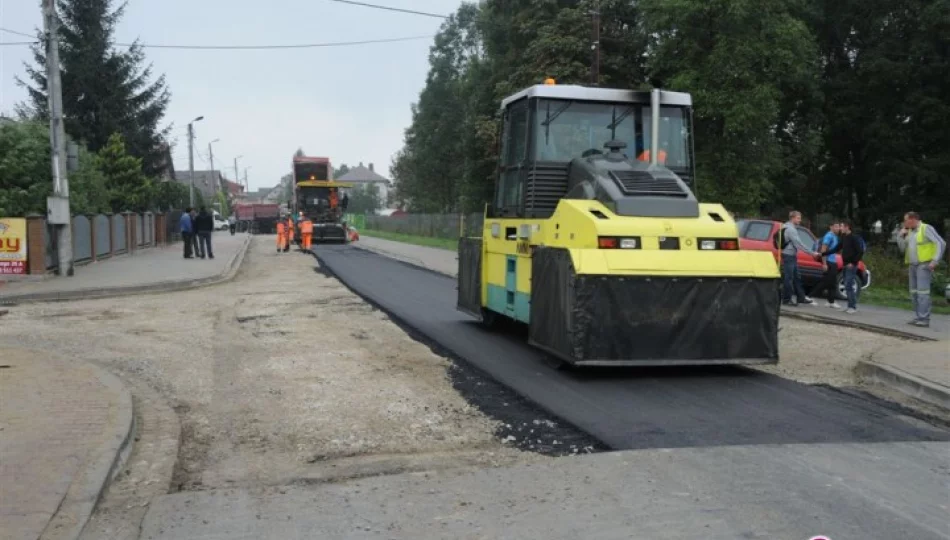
[{"x": 282, "y": 375}]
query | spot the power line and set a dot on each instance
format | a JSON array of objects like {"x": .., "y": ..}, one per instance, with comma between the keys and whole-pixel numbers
[
  {"x": 24, "y": 34},
  {"x": 5, "y": 43},
  {"x": 390, "y": 8},
  {"x": 243, "y": 47}
]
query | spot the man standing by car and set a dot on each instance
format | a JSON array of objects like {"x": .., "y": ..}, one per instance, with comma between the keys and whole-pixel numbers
[
  {"x": 792, "y": 277},
  {"x": 852, "y": 250},
  {"x": 204, "y": 226},
  {"x": 829, "y": 247},
  {"x": 923, "y": 249}
]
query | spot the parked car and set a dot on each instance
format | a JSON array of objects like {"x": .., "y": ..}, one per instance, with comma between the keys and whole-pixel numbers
[
  {"x": 761, "y": 234},
  {"x": 220, "y": 224}
]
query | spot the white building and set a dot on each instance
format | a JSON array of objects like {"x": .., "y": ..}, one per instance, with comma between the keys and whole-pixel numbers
[{"x": 361, "y": 177}]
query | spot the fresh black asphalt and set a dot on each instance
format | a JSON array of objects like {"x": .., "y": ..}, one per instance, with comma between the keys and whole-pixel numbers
[{"x": 628, "y": 408}]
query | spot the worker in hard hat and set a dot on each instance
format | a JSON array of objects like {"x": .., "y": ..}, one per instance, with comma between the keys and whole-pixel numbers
[
  {"x": 281, "y": 235},
  {"x": 306, "y": 232}
]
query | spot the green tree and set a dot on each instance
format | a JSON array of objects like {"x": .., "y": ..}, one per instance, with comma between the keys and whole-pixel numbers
[
  {"x": 25, "y": 175},
  {"x": 738, "y": 58},
  {"x": 127, "y": 187},
  {"x": 341, "y": 170},
  {"x": 105, "y": 91},
  {"x": 170, "y": 196},
  {"x": 87, "y": 186},
  {"x": 365, "y": 200}
]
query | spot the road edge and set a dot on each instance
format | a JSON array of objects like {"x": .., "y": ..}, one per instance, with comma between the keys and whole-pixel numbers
[
  {"x": 904, "y": 382},
  {"x": 113, "y": 292},
  {"x": 84, "y": 492}
]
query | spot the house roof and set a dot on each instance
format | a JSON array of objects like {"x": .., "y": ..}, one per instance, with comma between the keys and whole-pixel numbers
[
  {"x": 206, "y": 182},
  {"x": 363, "y": 174}
]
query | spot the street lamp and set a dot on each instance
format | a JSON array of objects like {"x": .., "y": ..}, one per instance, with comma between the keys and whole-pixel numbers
[
  {"x": 247, "y": 184},
  {"x": 191, "y": 159}
]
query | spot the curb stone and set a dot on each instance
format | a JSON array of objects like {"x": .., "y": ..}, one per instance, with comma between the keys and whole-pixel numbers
[
  {"x": 111, "y": 292},
  {"x": 905, "y": 382},
  {"x": 877, "y": 329},
  {"x": 84, "y": 492}
]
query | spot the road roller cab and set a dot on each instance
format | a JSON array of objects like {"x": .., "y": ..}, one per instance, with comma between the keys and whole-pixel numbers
[{"x": 596, "y": 240}]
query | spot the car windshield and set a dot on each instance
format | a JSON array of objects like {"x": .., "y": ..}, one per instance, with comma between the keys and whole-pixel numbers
[{"x": 567, "y": 129}]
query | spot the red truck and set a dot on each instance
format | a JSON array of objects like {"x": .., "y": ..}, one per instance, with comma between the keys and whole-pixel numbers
[
  {"x": 763, "y": 234},
  {"x": 257, "y": 218}
]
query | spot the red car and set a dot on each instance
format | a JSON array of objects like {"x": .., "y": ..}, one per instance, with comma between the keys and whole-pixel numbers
[{"x": 761, "y": 234}]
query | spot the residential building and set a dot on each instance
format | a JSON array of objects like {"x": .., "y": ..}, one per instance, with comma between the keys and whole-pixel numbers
[
  {"x": 206, "y": 182},
  {"x": 361, "y": 177}
]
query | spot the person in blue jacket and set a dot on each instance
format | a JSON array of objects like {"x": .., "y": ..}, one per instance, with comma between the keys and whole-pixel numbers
[
  {"x": 187, "y": 226},
  {"x": 830, "y": 245}
]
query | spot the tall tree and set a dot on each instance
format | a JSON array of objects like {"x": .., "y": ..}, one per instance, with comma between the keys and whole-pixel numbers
[
  {"x": 737, "y": 58},
  {"x": 105, "y": 91}
]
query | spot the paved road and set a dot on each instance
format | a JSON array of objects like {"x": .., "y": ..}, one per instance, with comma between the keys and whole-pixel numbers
[
  {"x": 759, "y": 492},
  {"x": 627, "y": 409}
]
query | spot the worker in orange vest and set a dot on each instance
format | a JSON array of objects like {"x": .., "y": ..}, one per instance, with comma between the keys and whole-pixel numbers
[
  {"x": 290, "y": 232},
  {"x": 333, "y": 199},
  {"x": 281, "y": 235},
  {"x": 306, "y": 232}
]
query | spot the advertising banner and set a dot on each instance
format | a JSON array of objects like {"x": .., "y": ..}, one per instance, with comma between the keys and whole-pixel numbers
[{"x": 12, "y": 246}]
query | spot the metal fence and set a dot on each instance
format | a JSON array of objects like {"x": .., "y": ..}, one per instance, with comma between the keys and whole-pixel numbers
[{"x": 449, "y": 226}]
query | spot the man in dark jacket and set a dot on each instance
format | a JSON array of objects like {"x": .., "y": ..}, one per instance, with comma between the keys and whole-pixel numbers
[
  {"x": 852, "y": 250},
  {"x": 204, "y": 226}
]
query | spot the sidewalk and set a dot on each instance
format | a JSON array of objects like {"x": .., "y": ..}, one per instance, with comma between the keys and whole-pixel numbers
[
  {"x": 920, "y": 370},
  {"x": 149, "y": 270},
  {"x": 64, "y": 425}
]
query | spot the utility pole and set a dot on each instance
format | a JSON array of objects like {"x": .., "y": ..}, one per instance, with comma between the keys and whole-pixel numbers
[
  {"x": 217, "y": 184},
  {"x": 595, "y": 45},
  {"x": 237, "y": 177},
  {"x": 57, "y": 206}
]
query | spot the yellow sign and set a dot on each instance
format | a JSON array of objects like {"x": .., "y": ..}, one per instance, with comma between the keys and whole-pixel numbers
[{"x": 12, "y": 246}]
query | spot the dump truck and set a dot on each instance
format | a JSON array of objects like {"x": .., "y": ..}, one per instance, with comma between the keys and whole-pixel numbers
[
  {"x": 318, "y": 196},
  {"x": 257, "y": 218},
  {"x": 596, "y": 240}
]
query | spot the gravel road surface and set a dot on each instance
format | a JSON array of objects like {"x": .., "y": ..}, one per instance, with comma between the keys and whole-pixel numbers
[{"x": 282, "y": 375}]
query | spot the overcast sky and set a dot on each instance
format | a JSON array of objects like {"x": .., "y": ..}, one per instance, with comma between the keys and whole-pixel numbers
[{"x": 350, "y": 104}]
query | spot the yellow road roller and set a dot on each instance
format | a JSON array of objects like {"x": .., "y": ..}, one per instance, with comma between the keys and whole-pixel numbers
[{"x": 596, "y": 241}]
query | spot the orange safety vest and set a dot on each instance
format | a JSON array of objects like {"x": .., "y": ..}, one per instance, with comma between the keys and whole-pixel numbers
[
  {"x": 306, "y": 227},
  {"x": 645, "y": 156},
  {"x": 333, "y": 200},
  {"x": 281, "y": 228}
]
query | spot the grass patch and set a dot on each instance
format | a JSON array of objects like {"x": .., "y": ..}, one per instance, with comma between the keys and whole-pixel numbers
[
  {"x": 440, "y": 243},
  {"x": 899, "y": 298},
  {"x": 889, "y": 282}
]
